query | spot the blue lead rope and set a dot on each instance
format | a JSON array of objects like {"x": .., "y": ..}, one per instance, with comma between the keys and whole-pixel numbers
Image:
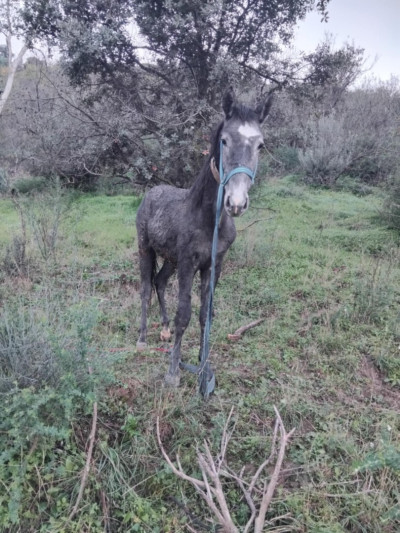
[{"x": 206, "y": 375}]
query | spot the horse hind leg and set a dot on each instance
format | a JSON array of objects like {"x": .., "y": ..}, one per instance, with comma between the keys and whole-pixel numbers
[
  {"x": 160, "y": 283},
  {"x": 147, "y": 264},
  {"x": 182, "y": 319}
]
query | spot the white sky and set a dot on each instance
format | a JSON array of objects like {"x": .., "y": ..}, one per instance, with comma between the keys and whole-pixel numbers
[{"x": 370, "y": 24}]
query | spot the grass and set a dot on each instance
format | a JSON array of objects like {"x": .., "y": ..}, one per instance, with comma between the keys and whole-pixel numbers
[{"x": 325, "y": 276}]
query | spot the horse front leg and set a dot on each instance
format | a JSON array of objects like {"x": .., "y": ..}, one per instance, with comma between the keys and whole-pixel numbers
[
  {"x": 205, "y": 275},
  {"x": 182, "y": 319}
]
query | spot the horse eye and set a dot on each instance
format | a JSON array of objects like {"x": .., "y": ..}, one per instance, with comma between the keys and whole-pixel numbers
[
  {"x": 261, "y": 145},
  {"x": 223, "y": 142}
]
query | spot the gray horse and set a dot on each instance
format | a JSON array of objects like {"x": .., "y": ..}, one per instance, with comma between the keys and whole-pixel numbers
[{"x": 178, "y": 224}]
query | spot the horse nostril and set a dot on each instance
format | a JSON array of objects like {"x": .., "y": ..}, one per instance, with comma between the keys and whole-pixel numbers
[{"x": 228, "y": 203}]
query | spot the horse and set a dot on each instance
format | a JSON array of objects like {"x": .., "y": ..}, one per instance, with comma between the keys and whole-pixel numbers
[{"x": 178, "y": 224}]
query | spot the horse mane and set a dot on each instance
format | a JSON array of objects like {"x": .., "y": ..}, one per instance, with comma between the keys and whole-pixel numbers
[{"x": 205, "y": 179}]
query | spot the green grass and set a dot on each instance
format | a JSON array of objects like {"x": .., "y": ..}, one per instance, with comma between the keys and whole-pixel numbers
[
  {"x": 9, "y": 222},
  {"x": 325, "y": 276},
  {"x": 101, "y": 226}
]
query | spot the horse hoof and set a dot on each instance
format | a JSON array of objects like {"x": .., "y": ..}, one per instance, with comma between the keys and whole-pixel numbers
[
  {"x": 140, "y": 346},
  {"x": 165, "y": 334},
  {"x": 172, "y": 381}
]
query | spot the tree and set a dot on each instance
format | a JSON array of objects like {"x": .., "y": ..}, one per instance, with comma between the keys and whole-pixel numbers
[
  {"x": 330, "y": 72},
  {"x": 9, "y": 29},
  {"x": 202, "y": 39},
  {"x": 207, "y": 36},
  {"x": 167, "y": 88}
]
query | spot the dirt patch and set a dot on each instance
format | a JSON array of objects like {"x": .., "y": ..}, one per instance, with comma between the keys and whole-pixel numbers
[
  {"x": 128, "y": 391},
  {"x": 376, "y": 385}
]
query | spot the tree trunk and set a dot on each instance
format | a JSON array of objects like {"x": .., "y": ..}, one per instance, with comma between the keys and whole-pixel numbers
[{"x": 12, "y": 69}]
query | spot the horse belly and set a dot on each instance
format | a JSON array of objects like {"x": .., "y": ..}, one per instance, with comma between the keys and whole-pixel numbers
[
  {"x": 162, "y": 236},
  {"x": 162, "y": 215}
]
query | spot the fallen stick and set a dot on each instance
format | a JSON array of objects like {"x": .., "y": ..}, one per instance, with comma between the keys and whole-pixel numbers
[
  {"x": 239, "y": 332},
  {"x": 86, "y": 469},
  {"x": 254, "y": 222}
]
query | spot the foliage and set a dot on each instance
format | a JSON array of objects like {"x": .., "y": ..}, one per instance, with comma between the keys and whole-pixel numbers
[
  {"x": 202, "y": 37},
  {"x": 359, "y": 139},
  {"x": 330, "y": 73},
  {"x": 91, "y": 36},
  {"x": 45, "y": 387},
  {"x": 130, "y": 105},
  {"x": 4, "y": 181},
  {"x": 328, "y": 153}
]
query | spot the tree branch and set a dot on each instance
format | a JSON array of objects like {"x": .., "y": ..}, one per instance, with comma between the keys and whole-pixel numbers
[
  {"x": 86, "y": 469},
  {"x": 270, "y": 489}
]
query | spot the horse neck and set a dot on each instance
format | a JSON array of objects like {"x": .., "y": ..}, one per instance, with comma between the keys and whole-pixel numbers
[{"x": 204, "y": 191}]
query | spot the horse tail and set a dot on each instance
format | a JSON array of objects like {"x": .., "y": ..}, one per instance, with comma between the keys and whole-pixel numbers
[{"x": 154, "y": 270}]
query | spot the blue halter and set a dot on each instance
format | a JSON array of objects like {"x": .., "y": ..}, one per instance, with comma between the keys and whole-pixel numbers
[{"x": 238, "y": 170}]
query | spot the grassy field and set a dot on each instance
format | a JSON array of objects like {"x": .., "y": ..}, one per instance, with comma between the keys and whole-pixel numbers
[{"x": 316, "y": 265}]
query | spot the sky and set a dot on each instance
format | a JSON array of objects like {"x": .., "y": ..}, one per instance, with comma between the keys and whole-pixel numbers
[{"x": 370, "y": 24}]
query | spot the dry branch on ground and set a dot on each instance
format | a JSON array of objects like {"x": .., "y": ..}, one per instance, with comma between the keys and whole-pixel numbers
[{"x": 214, "y": 470}]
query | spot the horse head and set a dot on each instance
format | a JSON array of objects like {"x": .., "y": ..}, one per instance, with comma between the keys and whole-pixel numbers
[{"x": 239, "y": 143}]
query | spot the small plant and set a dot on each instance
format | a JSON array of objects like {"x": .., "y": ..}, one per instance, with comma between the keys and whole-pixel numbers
[
  {"x": 41, "y": 215},
  {"x": 15, "y": 261},
  {"x": 391, "y": 207},
  {"x": 373, "y": 295}
]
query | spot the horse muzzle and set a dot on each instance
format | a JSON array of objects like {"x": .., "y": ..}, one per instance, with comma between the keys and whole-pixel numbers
[{"x": 235, "y": 207}]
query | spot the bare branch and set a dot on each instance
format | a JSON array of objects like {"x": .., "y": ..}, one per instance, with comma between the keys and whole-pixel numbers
[
  {"x": 267, "y": 461},
  {"x": 213, "y": 470},
  {"x": 254, "y": 222},
  {"x": 86, "y": 469},
  {"x": 177, "y": 471},
  {"x": 270, "y": 489}
]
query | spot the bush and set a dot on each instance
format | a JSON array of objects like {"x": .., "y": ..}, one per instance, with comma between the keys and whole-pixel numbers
[
  {"x": 391, "y": 207},
  {"x": 44, "y": 386},
  {"x": 41, "y": 214},
  {"x": 328, "y": 153},
  {"x": 285, "y": 159},
  {"x": 30, "y": 185}
]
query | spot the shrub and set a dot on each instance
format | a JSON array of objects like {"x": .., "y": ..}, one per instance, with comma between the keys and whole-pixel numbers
[
  {"x": 328, "y": 153},
  {"x": 391, "y": 207},
  {"x": 285, "y": 159},
  {"x": 41, "y": 214},
  {"x": 30, "y": 185},
  {"x": 44, "y": 386}
]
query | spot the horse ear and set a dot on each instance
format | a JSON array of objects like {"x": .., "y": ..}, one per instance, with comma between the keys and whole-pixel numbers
[
  {"x": 228, "y": 102},
  {"x": 263, "y": 108}
]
